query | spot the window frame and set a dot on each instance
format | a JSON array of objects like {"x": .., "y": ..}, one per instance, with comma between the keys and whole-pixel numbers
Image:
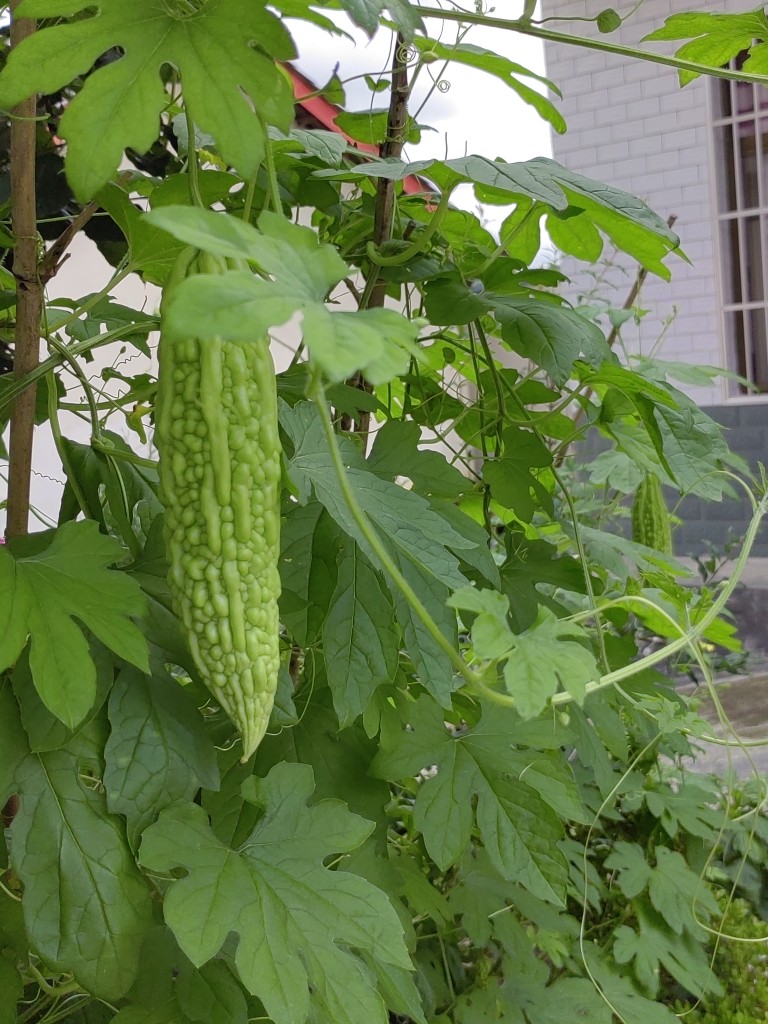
[{"x": 742, "y": 349}]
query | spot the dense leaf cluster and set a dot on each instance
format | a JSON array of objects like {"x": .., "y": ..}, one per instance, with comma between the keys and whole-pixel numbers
[{"x": 470, "y": 804}]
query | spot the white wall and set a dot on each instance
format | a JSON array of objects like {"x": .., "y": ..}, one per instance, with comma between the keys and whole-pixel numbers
[{"x": 632, "y": 126}]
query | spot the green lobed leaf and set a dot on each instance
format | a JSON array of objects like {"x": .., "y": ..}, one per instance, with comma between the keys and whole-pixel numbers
[
  {"x": 433, "y": 666},
  {"x": 368, "y": 13},
  {"x": 44, "y": 730},
  {"x": 505, "y": 70},
  {"x": 518, "y": 829},
  {"x": 529, "y": 564},
  {"x": 111, "y": 485},
  {"x": 510, "y": 478},
  {"x": 14, "y": 744},
  {"x": 361, "y": 641},
  {"x": 623, "y": 994},
  {"x": 572, "y": 232},
  {"x": 289, "y": 912},
  {"x": 548, "y": 656},
  {"x": 715, "y": 37},
  {"x": 170, "y": 990},
  {"x": 158, "y": 752},
  {"x": 224, "y": 75},
  {"x": 396, "y": 453},
  {"x": 310, "y": 545},
  {"x": 626, "y": 220},
  {"x": 404, "y": 518},
  {"x": 11, "y": 990},
  {"x": 86, "y": 906},
  {"x": 150, "y": 250},
  {"x": 552, "y": 337},
  {"x": 339, "y": 759},
  {"x": 42, "y": 593},
  {"x": 379, "y": 342}
]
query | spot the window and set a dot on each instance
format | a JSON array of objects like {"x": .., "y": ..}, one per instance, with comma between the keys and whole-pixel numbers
[{"x": 741, "y": 152}]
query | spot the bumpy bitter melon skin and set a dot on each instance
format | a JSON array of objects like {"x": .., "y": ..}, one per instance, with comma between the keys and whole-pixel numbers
[
  {"x": 650, "y": 519},
  {"x": 220, "y": 474}
]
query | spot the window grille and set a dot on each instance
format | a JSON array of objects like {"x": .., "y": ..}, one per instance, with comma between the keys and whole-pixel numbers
[{"x": 741, "y": 153}]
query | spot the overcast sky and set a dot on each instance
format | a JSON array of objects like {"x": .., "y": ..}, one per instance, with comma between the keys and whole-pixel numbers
[{"x": 477, "y": 113}]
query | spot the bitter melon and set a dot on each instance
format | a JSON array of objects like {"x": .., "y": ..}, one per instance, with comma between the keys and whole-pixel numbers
[
  {"x": 650, "y": 519},
  {"x": 217, "y": 437}
]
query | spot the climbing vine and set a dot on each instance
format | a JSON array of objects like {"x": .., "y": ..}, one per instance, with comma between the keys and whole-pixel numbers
[{"x": 472, "y": 802}]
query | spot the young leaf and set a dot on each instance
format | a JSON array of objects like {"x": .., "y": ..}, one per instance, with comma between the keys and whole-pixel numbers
[
  {"x": 158, "y": 752},
  {"x": 297, "y": 923},
  {"x": 545, "y": 657},
  {"x": 715, "y": 38},
  {"x": 42, "y": 593},
  {"x": 224, "y": 77},
  {"x": 518, "y": 829},
  {"x": 86, "y": 907},
  {"x": 360, "y": 638}
]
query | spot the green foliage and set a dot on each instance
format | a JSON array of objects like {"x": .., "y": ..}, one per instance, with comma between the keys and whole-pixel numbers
[
  {"x": 470, "y": 802},
  {"x": 296, "y": 912},
  {"x": 741, "y": 964},
  {"x": 211, "y": 45},
  {"x": 41, "y": 593}
]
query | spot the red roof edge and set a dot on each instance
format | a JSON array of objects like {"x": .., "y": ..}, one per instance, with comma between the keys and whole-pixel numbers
[{"x": 306, "y": 95}]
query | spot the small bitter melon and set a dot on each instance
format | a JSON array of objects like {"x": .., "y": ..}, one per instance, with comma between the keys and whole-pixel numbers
[
  {"x": 220, "y": 473},
  {"x": 650, "y": 518}
]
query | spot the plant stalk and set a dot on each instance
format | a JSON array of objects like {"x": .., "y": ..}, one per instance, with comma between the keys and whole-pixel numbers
[
  {"x": 375, "y": 289},
  {"x": 29, "y": 293}
]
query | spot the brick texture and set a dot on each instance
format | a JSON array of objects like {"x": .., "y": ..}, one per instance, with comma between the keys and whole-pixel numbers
[{"x": 632, "y": 126}]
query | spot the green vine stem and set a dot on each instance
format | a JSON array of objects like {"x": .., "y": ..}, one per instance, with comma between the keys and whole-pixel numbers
[
  {"x": 317, "y": 393},
  {"x": 192, "y": 165},
  {"x": 17, "y": 386},
  {"x": 58, "y": 440},
  {"x": 695, "y": 631},
  {"x": 269, "y": 159},
  {"x": 29, "y": 292},
  {"x": 590, "y": 43},
  {"x": 417, "y": 247}
]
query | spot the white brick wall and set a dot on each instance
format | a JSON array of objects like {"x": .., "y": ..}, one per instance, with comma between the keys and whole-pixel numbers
[{"x": 632, "y": 126}]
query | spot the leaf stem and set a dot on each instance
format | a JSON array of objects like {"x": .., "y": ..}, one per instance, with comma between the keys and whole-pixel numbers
[
  {"x": 16, "y": 387},
  {"x": 416, "y": 247},
  {"x": 269, "y": 159},
  {"x": 29, "y": 291},
  {"x": 58, "y": 440},
  {"x": 121, "y": 272},
  {"x": 696, "y": 630},
  {"x": 192, "y": 166},
  {"x": 317, "y": 393},
  {"x": 589, "y": 42}
]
